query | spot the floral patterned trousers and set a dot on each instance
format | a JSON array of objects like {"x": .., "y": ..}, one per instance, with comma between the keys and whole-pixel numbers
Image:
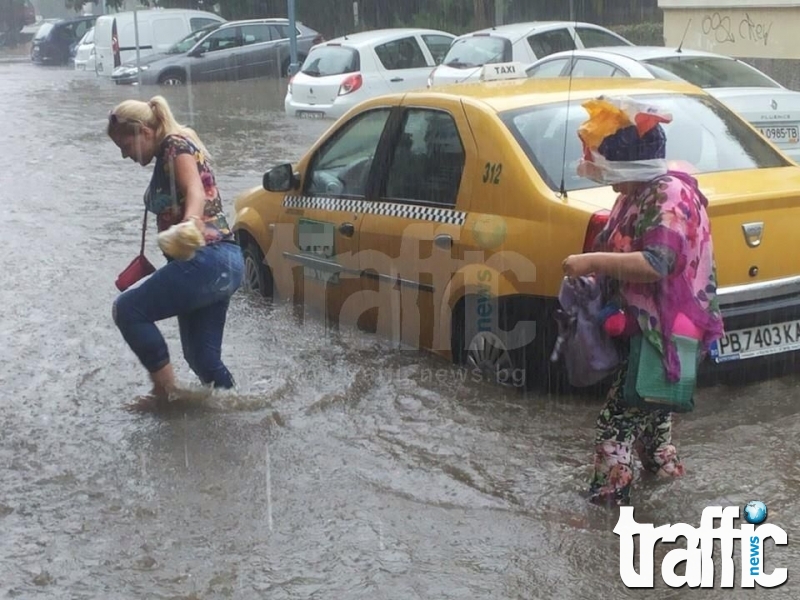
[{"x": 620, "y": 430}]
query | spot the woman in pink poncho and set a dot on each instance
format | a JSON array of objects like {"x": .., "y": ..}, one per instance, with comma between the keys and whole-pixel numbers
[{"x": 657, "y": 256}]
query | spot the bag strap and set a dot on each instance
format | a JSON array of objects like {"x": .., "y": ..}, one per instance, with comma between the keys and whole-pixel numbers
[{"x": 144, "y": 230}]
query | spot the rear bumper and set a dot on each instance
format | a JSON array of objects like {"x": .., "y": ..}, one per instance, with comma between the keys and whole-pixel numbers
[
  {"x": 793, "y": 153},
  {"x": 330, "y": 111},
  {"x": 757, "y": 305},
  {"x": 84, "y": 64}
]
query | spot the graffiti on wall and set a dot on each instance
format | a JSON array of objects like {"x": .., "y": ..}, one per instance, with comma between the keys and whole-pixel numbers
[{"x": 724, "y": 29}]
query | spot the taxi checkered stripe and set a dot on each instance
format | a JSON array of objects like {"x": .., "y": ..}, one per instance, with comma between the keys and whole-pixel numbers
[{"x": 405, "y": 211}]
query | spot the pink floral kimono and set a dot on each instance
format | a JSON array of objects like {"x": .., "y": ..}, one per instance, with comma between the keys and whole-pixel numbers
[{"x": 665, "y": 219}]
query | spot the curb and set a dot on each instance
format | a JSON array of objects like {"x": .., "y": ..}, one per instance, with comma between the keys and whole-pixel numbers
[{"x": 14, "y": 59}]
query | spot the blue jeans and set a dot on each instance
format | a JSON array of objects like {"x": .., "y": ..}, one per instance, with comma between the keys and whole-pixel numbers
[{"x": 196, "y": 291}]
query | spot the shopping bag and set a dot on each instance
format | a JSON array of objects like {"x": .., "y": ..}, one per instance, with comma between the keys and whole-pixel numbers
[{"x": 646, "y": 384}]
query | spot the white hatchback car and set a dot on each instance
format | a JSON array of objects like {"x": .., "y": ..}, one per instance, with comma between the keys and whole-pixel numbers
[
  {"x": 771, "y": 108},
  {"x": 519, "y": 42},
  {"x": 85, "y": 53},
  {"x": 340, "y": 73}
]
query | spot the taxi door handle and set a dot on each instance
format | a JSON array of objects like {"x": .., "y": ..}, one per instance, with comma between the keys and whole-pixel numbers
[
  {"x": 443, "y": 240},
  {"x": 347, "y": 229},
  {"x": 396, "y": 79}
]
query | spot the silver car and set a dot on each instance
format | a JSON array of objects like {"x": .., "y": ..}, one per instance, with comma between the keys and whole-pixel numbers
[
  {"x": 770, "y": 107},
  {"x": 223, "y": 52}
]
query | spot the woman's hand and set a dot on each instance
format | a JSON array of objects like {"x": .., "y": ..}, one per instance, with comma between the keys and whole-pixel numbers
[
  {"x": 577, "y": 265},
  {"x": 625, "y": 266}
]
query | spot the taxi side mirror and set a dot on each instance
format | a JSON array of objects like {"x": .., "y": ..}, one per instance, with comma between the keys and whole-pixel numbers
[{"x": 281, "y": 179}]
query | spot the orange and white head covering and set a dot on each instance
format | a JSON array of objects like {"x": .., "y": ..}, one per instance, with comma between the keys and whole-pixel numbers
[{"x": 622, "y": 141}]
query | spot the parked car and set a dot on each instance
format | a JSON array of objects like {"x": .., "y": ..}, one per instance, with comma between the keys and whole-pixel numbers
[
  {"x": 158, "y": 29},
  {"x": 223, "y": 52},
  {"x": 54, "y": 43},
  {"x": 769, "y": 106},
  {"x": 85, "y": 53},
  {"x": 341, "y": 73},
  {"x": 441, "y": 217},
  {"x": 519, "y": 42}
]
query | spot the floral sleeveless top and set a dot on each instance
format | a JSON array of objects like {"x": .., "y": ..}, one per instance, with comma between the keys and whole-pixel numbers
[
  {"x": 162, "y": 195},
  {"x": 668, "y": 215}
]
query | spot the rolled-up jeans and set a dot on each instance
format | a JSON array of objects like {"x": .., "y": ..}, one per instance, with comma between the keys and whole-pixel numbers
[{"x": 198, "y": 292}]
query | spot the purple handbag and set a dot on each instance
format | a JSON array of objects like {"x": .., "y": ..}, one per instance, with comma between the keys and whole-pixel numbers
[{"x": 589, "y": 354}]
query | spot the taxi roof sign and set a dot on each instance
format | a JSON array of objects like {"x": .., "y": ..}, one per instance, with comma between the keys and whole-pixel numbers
[{"x": 507, "y": 70}]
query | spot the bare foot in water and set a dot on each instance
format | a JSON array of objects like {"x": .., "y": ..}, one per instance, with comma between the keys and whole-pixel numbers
[
  {"x": 147, "y": 403},
  {"x": 177, "y": 398}
]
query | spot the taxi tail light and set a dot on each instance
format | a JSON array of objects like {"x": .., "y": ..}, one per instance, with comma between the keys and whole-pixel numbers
[
  {"x": 289, "y": 86},
  {"x": 596, "y": 223},
  {"x": 351, "y": 84}
]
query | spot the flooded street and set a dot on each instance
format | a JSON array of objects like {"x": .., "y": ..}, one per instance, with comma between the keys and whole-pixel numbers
[{"x": 343, "y": 468}]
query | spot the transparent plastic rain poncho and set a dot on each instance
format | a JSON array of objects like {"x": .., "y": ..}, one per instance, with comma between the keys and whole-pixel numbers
[{"x": 622, "y": 141}]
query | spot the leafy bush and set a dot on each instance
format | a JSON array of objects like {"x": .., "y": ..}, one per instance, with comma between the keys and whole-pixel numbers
[{"x": 642, "y": 34}]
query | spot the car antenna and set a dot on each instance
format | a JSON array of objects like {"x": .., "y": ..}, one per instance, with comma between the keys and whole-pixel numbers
[
  {"x": 685, "y": 31},
  {"x": 562, "y": 189}
]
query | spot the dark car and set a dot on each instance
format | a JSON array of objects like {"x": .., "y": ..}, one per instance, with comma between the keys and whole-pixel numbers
[
  {"x": 54, "y": 43},
  {"x": 223, "y": 52}
]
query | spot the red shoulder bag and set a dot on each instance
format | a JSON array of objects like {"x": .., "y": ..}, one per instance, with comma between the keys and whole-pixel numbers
[{"x": 139, "y": 268}]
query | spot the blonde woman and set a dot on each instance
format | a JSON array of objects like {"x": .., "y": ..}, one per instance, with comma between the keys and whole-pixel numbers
[{"x": 196, "y": 291}]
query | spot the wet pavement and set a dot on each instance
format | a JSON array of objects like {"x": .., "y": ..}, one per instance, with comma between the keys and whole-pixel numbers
[{"x": 344, "y": 467}]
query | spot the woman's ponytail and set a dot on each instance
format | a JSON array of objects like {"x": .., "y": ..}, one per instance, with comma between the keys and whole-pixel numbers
[{"x": 165, "y": 124}]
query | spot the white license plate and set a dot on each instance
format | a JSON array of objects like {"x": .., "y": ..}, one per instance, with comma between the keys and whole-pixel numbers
[
  {"x": 310, "y": 114},
  {"x": 785, "y": 134},
  {"x": 757, "y": 341}
]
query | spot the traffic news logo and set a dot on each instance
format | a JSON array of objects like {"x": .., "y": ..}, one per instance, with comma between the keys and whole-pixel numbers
[{"x": 697, "y": 556}]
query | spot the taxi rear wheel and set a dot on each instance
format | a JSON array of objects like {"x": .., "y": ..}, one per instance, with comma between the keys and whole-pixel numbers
[
  {"x": 509, "y": 349},
  {"x": 257, "y": 275}
]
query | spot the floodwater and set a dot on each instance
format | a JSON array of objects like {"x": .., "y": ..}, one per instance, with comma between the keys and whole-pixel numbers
[{"x": 344, "y": 468}]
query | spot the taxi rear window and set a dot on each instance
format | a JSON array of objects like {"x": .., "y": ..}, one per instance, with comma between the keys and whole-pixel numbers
[
  {"x": 326, "y": 60},
  {"x": 703, "y": 133}
]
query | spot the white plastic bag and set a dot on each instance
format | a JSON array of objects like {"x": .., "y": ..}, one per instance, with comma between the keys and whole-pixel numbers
[
  {"x": 607, "y": 172},
  {"x": 610, "y": 117}
]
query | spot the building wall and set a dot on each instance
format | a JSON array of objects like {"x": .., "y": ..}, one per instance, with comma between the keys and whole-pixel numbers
[{"x": 743, "y": 28}]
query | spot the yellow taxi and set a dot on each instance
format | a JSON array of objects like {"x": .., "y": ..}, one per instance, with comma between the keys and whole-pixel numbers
[{"x": 440, "y": 219}]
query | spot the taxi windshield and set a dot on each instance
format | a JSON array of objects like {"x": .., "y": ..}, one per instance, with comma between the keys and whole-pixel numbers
[{"x": 703, "y": 133}]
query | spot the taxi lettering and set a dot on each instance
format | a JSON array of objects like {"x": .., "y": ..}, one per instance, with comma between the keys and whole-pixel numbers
[{"x": 505, "y": 69}]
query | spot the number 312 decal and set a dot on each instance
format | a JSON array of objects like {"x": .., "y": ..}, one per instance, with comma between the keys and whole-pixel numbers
[{"x": 491, "y": 172}]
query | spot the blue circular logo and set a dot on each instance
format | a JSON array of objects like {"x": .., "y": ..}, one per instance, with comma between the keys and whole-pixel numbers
[{"x": 755, "y": 512}]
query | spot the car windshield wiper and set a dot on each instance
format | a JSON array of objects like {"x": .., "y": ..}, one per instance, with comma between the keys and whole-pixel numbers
[{"x": 457, "y": 64}]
